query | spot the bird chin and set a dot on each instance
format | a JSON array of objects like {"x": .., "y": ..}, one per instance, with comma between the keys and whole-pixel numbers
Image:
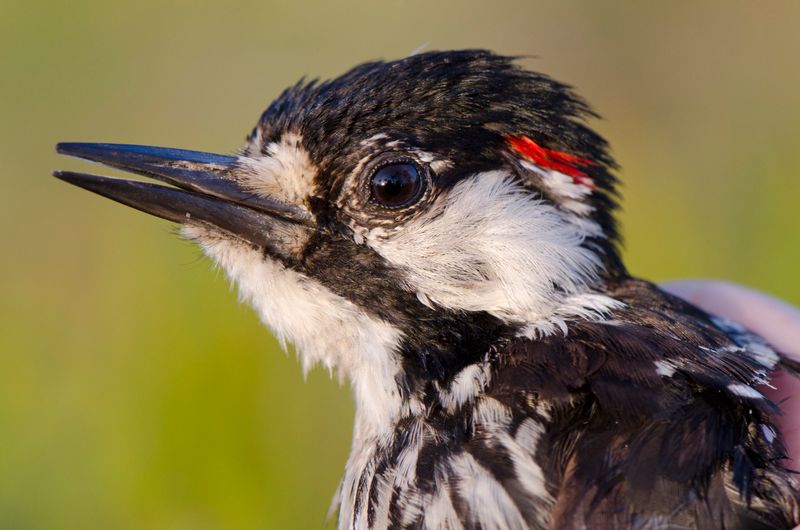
[{"x": 325, "y": 328}]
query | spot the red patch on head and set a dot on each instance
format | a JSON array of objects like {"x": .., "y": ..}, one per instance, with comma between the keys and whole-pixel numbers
[{"x": 556, "y": 160}]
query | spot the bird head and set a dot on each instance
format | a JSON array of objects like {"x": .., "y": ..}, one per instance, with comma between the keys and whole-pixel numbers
[{"x": 395, "y": 222}]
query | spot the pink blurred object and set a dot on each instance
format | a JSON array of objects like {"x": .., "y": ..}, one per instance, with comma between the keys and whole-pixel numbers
[{"x": 775, "y": 320}]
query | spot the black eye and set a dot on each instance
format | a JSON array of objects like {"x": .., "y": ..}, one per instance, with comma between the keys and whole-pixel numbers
[{"x": 396, "y": 185}]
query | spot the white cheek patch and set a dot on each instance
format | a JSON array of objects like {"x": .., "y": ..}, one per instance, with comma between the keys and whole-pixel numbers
[
  {"x": 324, "y": 327},
  {"x": 489, "y": 246},
  {"x": 285, "y": 172}
]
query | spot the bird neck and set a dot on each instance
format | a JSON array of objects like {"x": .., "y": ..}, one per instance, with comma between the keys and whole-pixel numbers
[{"x": 445, "y": 359}]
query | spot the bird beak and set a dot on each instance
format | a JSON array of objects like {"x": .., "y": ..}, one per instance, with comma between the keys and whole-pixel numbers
[{"x": 205, "y": 188}]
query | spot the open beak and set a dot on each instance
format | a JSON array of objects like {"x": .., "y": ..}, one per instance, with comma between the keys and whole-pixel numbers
[{"x": 205, "y": 188}]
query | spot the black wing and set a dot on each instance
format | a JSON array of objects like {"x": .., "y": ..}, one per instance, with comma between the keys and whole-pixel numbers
[{"x": 656, "y": 419}]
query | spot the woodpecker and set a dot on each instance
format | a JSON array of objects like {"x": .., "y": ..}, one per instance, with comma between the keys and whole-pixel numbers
[{"x": 439, "y": 230}]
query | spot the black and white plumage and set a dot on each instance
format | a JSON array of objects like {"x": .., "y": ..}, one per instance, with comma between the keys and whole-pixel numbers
[{"x": 440, "y": 231}]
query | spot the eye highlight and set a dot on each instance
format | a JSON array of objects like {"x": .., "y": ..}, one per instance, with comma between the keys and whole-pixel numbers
[{"x": 396, "y": 184}]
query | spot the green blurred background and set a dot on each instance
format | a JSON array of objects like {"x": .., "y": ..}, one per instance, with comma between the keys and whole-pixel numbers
[{"x": 135, "y": 393}]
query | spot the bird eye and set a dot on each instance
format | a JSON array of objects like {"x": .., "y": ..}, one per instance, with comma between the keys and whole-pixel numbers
[{"x": 395, "y": 185}]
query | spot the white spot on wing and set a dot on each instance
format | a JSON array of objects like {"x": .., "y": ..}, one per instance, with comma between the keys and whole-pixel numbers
[
  {"x": 754, "y": 345},
  {"x": 768, "y": 433},
  {"x": 763, "y": 354},
  {"x": 745, "y": 391},
  {"x": 665, "y": 368}
]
